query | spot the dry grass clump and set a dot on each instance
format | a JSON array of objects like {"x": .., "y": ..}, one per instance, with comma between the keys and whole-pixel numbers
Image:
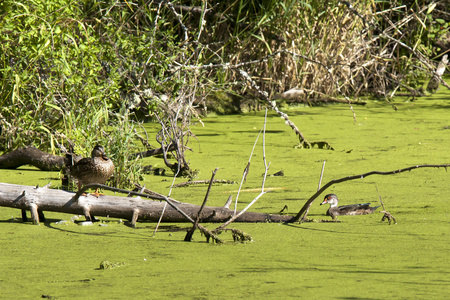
[{"x": 331, "y": 49}]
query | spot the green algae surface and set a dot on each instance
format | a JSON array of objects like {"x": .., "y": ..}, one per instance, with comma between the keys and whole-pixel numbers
[{"x": 359, "y": 257}]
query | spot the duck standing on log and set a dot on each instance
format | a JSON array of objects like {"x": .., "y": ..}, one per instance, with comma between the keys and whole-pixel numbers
[
  {"x": 95, "y": 169},
  {"x": 353, "y": 209}
]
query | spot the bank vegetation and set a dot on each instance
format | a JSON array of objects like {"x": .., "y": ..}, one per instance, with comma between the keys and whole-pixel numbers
[{"x": 79, "y": 73}]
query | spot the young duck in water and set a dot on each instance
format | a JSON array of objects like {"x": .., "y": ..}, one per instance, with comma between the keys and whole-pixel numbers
[
  {"x": 353, "y": 209},
  {"x": 95, "y": 169}
]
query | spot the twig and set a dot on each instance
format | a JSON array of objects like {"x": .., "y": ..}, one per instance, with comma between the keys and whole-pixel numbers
[
  {"x": 221, "y": 227},
  {"x": 152, "y": 152},
  {"x": 386, "y": 215},
  {"x": 266, "y": 166},
  {"x": 165, "y": 204},
  {"x": 244, "y": 175},
  {"x": 303, "y": 212},
  {"x": 160, "y": 218},
  {"x": 178, "y": 17},
  {"x": 204, "y": 230},
  {"x": 154, "y": 196},
  {"x": 209, "y": 234},
  {"x": 321, "y": 175},
  {"x": 147, "y": 191},
  {"x": 320, "y": 182},
  {"x": 190, "y": 233}
]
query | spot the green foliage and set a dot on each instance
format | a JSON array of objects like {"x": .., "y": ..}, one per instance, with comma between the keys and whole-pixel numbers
[
  {"x": 123, "y": 144},
  {"x": 76, "y": 73},
  {"x": 69, "y": 73}
]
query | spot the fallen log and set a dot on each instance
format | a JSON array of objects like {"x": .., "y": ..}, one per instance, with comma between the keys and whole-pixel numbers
[
  {"x": 43, "y": 199},
  {"x": 31, "y": 156},
  {"x": 48, "y": 162}
]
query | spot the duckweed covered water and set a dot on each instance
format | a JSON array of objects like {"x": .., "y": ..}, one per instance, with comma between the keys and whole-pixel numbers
[{"x": 360, "y": 257}]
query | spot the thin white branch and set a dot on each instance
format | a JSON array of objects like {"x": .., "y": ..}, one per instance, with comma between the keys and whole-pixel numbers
[
  {"x": 244, "y": 175},
  {"x": 266, "y": 166}
]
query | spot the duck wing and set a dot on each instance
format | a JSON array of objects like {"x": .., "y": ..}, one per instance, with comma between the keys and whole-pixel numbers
[
  {"x": 82, "y": 167},
  {"x": 356, "y": 209}
]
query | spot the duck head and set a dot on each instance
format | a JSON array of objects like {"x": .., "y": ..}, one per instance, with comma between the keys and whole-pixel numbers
[
  {"x": 99, "y": 151},
  {"x": 331, "y": 199}
]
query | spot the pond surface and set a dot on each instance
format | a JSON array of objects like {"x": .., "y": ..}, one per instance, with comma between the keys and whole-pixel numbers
[{"x": 360, "y": 257}]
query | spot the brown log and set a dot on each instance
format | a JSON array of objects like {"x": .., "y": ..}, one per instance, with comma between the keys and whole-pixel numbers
[
  {"x": 49, "y": 162},
  {"x": 133, "y": 209},
  {"x": 31, "y": 156}
]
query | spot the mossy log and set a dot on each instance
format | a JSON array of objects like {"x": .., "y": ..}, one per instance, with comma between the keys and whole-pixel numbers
[{"x": 39, "y": 199}]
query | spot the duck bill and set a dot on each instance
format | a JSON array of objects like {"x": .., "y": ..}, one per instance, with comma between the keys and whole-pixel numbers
[{"x": 324, "y": 202}]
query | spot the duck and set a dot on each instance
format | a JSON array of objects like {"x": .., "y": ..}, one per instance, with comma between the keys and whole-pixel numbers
[
  {"x": 95, "y": 169},
  {"x": 352, "y": 209}
]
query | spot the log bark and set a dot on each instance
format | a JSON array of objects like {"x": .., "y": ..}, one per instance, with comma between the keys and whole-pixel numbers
[{"x": 133, "y": 209}]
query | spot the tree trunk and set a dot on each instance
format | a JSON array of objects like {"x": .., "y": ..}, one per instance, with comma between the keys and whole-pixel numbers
[{"x": 133, "y": 209}]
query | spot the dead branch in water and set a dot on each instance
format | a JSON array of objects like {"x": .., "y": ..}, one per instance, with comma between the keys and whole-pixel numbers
[
  {"x": 301, "y": 216},
  {"x": 190, "y": 233},
  {"x": 387, "y": 215}
]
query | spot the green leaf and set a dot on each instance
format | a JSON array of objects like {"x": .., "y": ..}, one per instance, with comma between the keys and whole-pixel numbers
[
  {"x": 51, "y": 105},
  {"x": 431, "y": 8},
  {"x": 44, "y": 128}
]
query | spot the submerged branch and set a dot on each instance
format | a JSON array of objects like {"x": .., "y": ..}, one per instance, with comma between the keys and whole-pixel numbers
[{"x": 195, "y": 225}]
